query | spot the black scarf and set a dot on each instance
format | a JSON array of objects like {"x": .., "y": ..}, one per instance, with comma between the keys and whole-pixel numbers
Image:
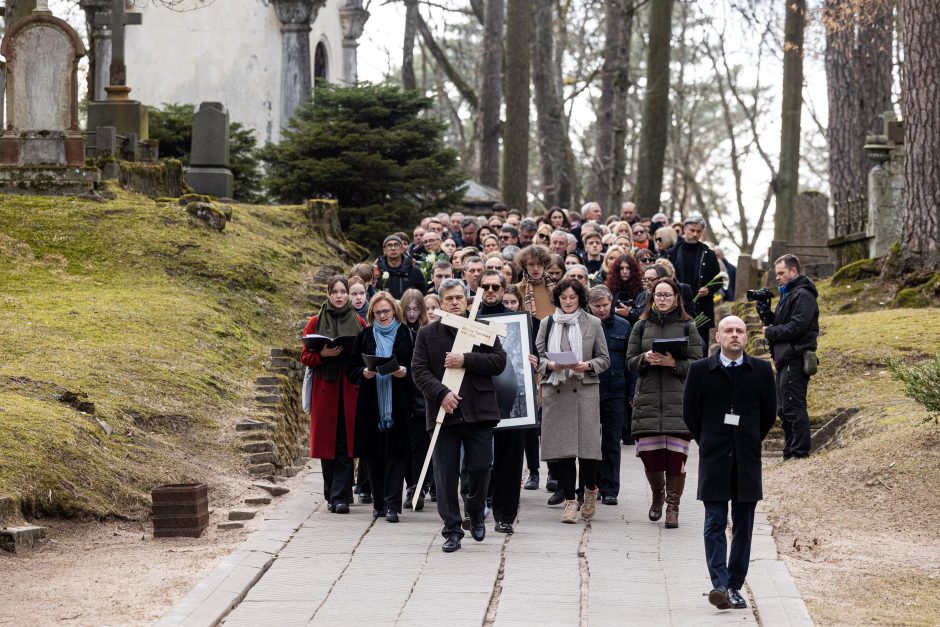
[{"x": 335, "y": 322}]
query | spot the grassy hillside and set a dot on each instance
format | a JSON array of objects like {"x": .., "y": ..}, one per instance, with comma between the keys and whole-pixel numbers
[{"x": 158, "y": 321}]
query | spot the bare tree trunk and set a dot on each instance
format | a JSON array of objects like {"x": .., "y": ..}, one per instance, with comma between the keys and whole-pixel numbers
[
  {"x": 920, "y": 36},
  {"x": 874, "y": 65},
  {"x": 15, "y": 10},
  {"x": 621, "y": 89},
  {"x": 408, "y": 48},
  {"x": 491, "y": 92},
  {"x": 555, "y": 155},
  {"x": 845, "y": 146},
  {"x": 788, "y": 174},
  {"x": 516, "y": 135},
  {"x": 655, "y": 132}
]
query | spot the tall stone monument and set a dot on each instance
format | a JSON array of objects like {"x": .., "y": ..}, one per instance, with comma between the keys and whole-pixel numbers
[
  {"x": 886, "y": 206},
  {"x": 42, "y": 149},
  {"x": 295, "y": 17},
  {"x": 208, "y": 172},
  {"x": 353, "y": 19},
  {"x": 118, "y": 110}
]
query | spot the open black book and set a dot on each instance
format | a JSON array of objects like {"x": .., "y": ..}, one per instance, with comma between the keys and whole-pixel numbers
[
  {"x": 677, "y": 347},
  {"x": 382, "y": 365},
  {"x": 314, "y": 342}
]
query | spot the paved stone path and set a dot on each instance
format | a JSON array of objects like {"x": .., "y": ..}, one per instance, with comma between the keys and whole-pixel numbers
[{"x": 306, "y": 566}]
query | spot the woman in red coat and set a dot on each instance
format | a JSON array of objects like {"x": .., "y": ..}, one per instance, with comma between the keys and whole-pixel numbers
[{"x": 333, "y": 398}]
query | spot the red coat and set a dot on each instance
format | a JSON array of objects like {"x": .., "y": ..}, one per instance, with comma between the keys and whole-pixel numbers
[{"x": 324, "y": 404}]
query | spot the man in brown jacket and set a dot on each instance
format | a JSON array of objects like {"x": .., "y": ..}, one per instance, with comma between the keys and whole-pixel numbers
[{"x": 471, "y": 415}]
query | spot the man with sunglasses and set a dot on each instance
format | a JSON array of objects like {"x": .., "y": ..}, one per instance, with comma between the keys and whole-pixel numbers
[
  {"x": 641, "y": 237},
  {"x": 508, "y": 236}
]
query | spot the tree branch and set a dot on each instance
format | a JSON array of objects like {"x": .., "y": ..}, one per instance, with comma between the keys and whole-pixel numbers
[{"x": 444, "y": 63}]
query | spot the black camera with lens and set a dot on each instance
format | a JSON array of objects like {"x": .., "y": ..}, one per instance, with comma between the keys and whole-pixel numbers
[{"x": 761, "y": 299}]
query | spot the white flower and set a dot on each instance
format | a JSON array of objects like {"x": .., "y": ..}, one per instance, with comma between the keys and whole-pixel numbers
[{"x": 385, "y": 275}]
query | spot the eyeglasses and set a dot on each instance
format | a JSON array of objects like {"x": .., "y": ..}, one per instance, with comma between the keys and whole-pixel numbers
[
  {"x": 663, "y": 296},
  {"x": 505, "y": 236},
  {"x": 658, "y": 239},
  {"x": 381, "y": 313},
  {"x": 639, "y": 232},
  {"x": 490, "y": 287},
  {"x": 645, "y": 260},
  {"x": 393, "y": 245}
]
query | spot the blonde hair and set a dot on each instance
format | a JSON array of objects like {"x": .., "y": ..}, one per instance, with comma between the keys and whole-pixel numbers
[
  {"x": 668, "y": 235},
  {"x": 413, "y": 295},
  {"x": 667, "y": 265},
  {"x": 380, "y": 296},
  {"x": 607, "y": 259}
]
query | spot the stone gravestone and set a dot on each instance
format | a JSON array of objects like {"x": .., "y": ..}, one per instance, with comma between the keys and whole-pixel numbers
[
  {"x": 208, "y": 172},
  {"x": 886, "y": 206},
  {"x": 42, "y": 148}
]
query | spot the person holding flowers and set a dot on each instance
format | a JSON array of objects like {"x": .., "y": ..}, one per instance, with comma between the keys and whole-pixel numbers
[{"x": 697, "y": 265}]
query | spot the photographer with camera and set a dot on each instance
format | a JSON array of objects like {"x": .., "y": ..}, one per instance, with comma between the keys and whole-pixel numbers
[{"x": 792, "y": 337}]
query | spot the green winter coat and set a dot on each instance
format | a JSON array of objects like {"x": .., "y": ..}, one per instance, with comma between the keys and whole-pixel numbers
[{"x": 657, "y": 408}]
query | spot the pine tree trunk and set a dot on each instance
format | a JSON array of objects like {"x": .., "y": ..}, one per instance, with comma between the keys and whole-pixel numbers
[
  {"x": 408, "y": 80},
  {"x": 874, "y": 66},
  {"x": 920, "y": 37},
  {"x": 621, "y": 89},
  {"x": 15, "y": 10},
  {"x": 845, "y": 147},
  {"x": 555, "y": 156},
  {"x": 787, "y": 182},
  {"x": 655, "y": 130},
  {"x": 491, "y": 92},
  {"x": 516, "y": 132}
]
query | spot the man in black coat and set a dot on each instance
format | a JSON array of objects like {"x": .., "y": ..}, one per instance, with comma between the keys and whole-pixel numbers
[
  {"x": 471, "y": 414},
  {"x": 794, "y": 333},
  {"x": 395, "y": 271},
  {"x": 729, "y": 406},
  {"x": 696, "y": 265}
]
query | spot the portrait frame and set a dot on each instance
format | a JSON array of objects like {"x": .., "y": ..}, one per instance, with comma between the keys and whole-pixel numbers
[{"x": 517, "y": 344}]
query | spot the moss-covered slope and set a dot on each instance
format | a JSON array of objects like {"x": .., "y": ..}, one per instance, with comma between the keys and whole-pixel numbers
[{"x": 159, "y": 321}]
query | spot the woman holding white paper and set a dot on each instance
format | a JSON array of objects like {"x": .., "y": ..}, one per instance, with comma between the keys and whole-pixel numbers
[
  {"x": 571, "y": 427},
  {"x": 383, "y": 410},
  {"x": 662, "y": 438}
]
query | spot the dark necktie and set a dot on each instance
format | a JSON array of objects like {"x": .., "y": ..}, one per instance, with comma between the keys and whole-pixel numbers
[{"x": 732, "y": 369}]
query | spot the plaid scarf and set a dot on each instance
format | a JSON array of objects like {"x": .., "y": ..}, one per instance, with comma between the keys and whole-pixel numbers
[{"x": 528, "y": 300}]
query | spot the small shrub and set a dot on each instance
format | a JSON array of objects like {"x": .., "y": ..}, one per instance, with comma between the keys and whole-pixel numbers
[{"x": 921, "y": 381}]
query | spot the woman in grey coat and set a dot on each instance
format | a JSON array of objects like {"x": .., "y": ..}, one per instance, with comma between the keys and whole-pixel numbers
[
  {"x": 571, "y": 427},
  {"x": 662, "y": 438}
]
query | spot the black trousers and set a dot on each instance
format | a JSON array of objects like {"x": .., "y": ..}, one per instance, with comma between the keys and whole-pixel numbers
[
  {"x": 506, "y": 482},
  {"x": 420, "y": 441},
  {"x": 627, "y": 436},
  {"x": 477, "y": 441},
  {"x": 612, "y": 417},
  {"x": 387, "y": 475},
  {"x": 728, "y": 570},
  {"x": 338, "y": 472},
  {"x": 532, "y": 449},
  {"x": 585, "y": 475},
  {"x": 791, "y": 407}
]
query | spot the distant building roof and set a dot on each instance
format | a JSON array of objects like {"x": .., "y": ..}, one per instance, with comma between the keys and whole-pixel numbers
[{"x": 480, "y": 194}]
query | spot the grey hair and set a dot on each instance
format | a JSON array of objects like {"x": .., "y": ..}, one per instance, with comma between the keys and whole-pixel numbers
[
  {"x": 694, "y": 218},
  {"x": 575, "y": 267},
  {"x": 509, "y": 252},
  {"x": 497, "y": 274},
  {"x": 450, "y": 284},
  {"x": 474, "y": 259},
  {"x": 599, "y": 293},
  {"x": 528, "y": 225}
]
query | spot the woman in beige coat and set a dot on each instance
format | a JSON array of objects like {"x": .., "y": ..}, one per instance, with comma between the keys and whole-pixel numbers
[{"x": 571, "y": 427}]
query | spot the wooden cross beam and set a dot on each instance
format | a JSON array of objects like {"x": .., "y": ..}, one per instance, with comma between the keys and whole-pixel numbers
[{"x": 470, "y": 332}]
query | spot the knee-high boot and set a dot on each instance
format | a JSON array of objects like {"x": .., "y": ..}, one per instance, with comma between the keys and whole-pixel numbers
[
  {"x": 658, "y": 485},
  {"x": 675, "y": 484}
]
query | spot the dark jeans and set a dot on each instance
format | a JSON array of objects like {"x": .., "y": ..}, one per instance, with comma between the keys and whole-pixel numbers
[
  {"x": 477, "y": 441},
  {"x": 532, "y": 449},
  {"x": 420, "y": 441},
  {"x": 585, "y": 475},
  {"x": 506, "y": 482},
  {"x": 724, "y": 569},
  {"x": 791, "y": 407},
  {"x": 387, "y": 475},
  {"x": 612, "y": 417},
  {"x": 338, "y": 472}
]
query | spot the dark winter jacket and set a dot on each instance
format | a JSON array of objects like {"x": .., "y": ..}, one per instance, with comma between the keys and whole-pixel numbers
[
  {"x": 404, "y": 277},
  {"x": 796, "y": 322},
  {"x": 367, "y": 406},
  {"x": 616, "y": 382},
  {"x": 657, "y": 407},
  {"x": 707, "y": 268},
  {"x": 729, "y": 456}
]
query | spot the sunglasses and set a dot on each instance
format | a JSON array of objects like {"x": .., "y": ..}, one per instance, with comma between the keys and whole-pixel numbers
[
  {"x": 659, "y": 239},
  {"x": 489, "y": 287},
  {"x": 645, "y": 260}
]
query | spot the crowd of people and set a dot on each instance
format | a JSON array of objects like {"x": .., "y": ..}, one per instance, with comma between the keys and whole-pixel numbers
[{"x": 604, "y": 293}]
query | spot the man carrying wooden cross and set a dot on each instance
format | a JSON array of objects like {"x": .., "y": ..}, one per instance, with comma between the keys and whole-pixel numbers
[{"x": 444, "y": 350}]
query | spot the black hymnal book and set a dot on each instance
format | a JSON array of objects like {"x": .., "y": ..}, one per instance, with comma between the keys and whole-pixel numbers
[
  {"x": 382, "y": 365},
  {"x": 677, "y": 347},
  {"x": 314, "y": 342}
]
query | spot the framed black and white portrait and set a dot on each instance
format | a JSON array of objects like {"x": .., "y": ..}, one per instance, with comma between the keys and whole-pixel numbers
[{"x": 515, "y": 386}]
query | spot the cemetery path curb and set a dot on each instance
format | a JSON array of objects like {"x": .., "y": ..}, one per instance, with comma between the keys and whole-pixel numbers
[{"x": 233, "y": 576}]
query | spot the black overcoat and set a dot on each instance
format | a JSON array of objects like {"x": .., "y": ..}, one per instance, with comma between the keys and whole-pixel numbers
[
  {"x": 729, "y": 457},
  {"x": 477, "y": 389},
  {"x": 367, "y": 407}
]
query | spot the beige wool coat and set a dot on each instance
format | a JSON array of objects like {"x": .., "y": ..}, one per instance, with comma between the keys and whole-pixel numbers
[{"x": 571, "y": 412}]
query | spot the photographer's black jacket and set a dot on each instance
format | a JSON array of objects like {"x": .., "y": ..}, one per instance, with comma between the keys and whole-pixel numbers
[{"x": 796, "y": 322}]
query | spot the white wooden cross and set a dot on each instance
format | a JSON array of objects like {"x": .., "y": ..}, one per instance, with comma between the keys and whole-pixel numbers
[{"x": 470, "y": 332}]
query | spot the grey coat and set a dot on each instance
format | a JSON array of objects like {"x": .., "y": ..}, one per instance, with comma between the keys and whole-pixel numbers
[
  {"x": 571, "y": 423},
  {"x": 657, "y": 406}
]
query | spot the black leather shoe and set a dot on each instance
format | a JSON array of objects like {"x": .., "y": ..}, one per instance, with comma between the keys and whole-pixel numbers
[
  {"x": 391, "y": 516},
  {"x": 532, "y": 483},
  {"x": 557, "y": 498},
  {"x": 420, "y": 504},
  {"x": 737, "y": 601},
  {"x": 552, "y": 484},
  {"x": 329, "y": 507},
  {"x": 379, "y": 513},
  {"x": 365, "y": 498},
  {"x": 719, "y": 598},
  {"x": 409, "y": 496},
  {"x": 433, "y": 496},
  {"x": 465, "y": 523},
  {"x": 451, "y": 544},
  {"x": 504, "y": 527},
  {"x": 340, "y": 508},
  {"x": 477, "y": 527},
  {"x": 609, "y": 500}
]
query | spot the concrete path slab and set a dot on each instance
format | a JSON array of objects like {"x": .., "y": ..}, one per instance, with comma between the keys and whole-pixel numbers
[{"x": 306, "y": 566}]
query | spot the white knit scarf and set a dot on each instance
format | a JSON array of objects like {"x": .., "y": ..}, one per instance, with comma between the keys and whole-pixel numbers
[{"x": 570, "y": 325}]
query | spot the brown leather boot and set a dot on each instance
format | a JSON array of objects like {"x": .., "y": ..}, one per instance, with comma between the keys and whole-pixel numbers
[
  {"x": 658, "y": 484},
  {"x": 674, "y": 487}
]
